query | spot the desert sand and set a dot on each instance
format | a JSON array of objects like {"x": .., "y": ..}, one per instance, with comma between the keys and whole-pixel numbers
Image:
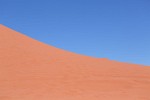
[{"x": 31, "y": 70}]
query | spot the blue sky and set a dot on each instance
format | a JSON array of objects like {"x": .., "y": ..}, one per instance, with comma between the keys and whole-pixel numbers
[{"x": 114, "y": 29}]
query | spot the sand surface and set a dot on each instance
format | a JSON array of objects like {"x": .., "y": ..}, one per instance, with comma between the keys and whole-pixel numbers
[{"x": 31, "y": 70}]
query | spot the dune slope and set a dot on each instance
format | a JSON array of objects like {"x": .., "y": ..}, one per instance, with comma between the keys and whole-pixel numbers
[{"x": 31, "y": 70}]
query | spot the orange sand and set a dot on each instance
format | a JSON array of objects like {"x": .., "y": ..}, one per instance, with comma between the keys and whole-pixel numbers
[{"x": 31, "y": 70}]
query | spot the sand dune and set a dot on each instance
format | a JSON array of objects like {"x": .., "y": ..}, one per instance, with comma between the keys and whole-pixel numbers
[{"x": 31, "y": 70}]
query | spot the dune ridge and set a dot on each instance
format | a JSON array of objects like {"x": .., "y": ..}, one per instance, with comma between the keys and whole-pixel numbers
[{"x": 31, "y": 70}]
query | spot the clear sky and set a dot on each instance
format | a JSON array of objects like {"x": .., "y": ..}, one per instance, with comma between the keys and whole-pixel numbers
[{"x": 114, "y": 29}]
